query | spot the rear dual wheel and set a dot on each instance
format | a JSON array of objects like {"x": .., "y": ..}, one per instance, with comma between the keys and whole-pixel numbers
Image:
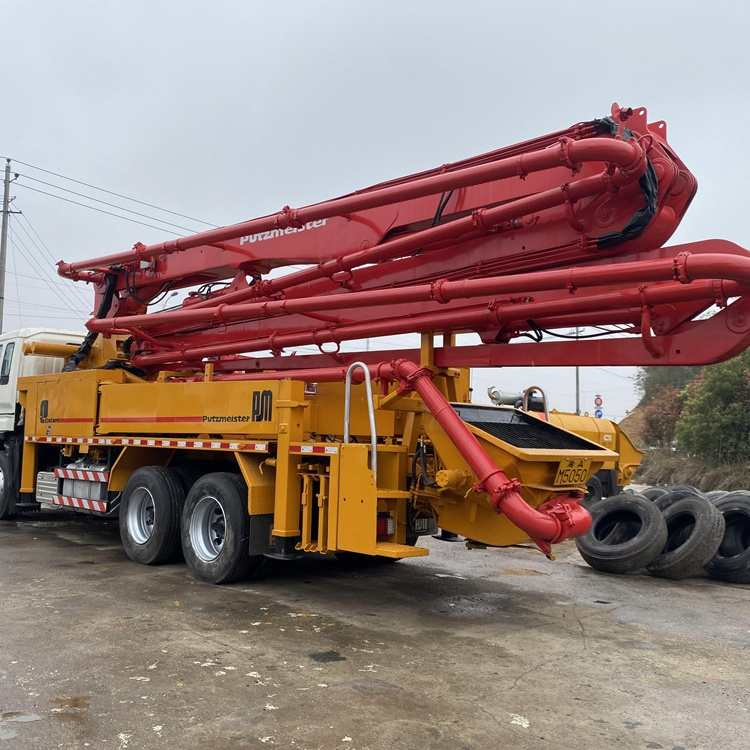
[
  {"x": 150, "y": 511},
  {"x": 216, "y": 530}
]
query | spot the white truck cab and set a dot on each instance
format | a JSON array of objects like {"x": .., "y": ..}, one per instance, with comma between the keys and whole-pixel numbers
[{"x": 13, "y": 365}]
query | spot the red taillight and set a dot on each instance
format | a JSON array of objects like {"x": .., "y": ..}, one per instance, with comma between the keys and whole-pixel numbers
[{"x": 386, "y": 524}]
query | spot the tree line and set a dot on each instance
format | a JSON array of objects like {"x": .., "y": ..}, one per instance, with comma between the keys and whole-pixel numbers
[{"x": 704, "y": 411}]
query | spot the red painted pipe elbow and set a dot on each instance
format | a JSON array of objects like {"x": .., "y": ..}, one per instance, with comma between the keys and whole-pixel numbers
[{"x": 552, "y": 522}]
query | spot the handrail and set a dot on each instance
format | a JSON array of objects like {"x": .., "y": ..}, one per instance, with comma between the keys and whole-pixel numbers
[
  {"x": 370, "y": 412},
  {"x": 527, "y": 398}
]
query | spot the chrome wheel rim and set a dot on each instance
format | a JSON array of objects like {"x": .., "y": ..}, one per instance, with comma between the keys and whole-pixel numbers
[
  {"x": 141, "y": 515},
  {"x": 208, "y": 526}
]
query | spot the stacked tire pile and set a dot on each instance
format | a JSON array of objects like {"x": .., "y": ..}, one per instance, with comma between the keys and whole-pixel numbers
[{"x": 671, "y": 532}]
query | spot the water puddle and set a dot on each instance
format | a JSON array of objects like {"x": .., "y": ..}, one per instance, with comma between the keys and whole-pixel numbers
[
  {"x": 75, "y": 701},
  {"x": 18, "y": 717}
]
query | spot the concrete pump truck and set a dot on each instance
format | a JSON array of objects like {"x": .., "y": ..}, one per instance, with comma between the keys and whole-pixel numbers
[{"x": 237, "y": 427}]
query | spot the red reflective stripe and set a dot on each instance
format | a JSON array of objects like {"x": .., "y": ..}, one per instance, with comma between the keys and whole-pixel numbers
[
  {"x": 305, "y": 449},
  {"x": 79, "y": 502},
  {"x": 89, "y": 476}
]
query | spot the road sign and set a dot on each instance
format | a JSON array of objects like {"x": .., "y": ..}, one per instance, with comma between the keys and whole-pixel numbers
[
  {"x": 598, "y": 413},
  {"x": 598, "y": 401}
]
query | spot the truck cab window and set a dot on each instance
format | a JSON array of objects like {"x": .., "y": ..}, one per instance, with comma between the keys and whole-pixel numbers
[{"x": 7, "y": 361}]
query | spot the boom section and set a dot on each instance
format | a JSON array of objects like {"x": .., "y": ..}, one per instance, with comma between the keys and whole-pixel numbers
[{"x": 564, "y": 231}]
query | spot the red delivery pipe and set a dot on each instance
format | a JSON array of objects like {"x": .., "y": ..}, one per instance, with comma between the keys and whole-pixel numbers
[
  {"x": 628, "y": 156},
  {"x": 553, "y": 524},
  {"x": 468, "y": 317},
  {"x": 685, "y": 268}
]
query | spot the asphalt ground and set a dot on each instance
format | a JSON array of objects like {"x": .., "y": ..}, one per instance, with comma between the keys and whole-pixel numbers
[{"x": 462, "y": 650}]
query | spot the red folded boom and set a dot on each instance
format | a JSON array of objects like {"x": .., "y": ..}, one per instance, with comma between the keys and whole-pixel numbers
[{"x": 563, "y": 231}]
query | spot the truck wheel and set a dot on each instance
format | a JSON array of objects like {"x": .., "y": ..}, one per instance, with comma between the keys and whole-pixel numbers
[
  {"x": 594, "y": 491},
  {"x": 695, "y": 529},
  {"x": 150, "y": 515},
  {"x": 5, "y": 486},
  {"x": 627, "y": 533},
  {"x": 732, "y": 561},
  {"x": 216, "y": 530}
]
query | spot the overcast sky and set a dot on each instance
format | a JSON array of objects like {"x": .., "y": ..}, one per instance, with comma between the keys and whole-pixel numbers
[{"x": 224, "y": 111}]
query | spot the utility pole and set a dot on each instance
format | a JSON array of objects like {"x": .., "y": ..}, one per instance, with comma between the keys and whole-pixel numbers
[{"x": 4, "y": 239}]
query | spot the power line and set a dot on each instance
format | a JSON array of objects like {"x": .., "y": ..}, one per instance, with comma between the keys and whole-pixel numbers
[
  {"x": 27, "y": 315},
  {"x": 18, "y": 292},
  {"x": 74, "y": 289},
  {"x": 105, "y": 203},
  {"x": 617, "y": 375},
  {"x": 61, "y": 284},
  {"x": 99, "y": 210},
  {"x": 48, "y": 270},
  {"x": 117, "y": 195},
  {"x": 37, "y": 305},
  {"x": 17, "y": 241}
]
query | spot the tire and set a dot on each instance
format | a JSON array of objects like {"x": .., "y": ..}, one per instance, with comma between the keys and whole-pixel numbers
[
  {"x": 627, "y": 533},
  {"x": 684, "y": 487},
  {"x": 653, "y": 492},
  {"x": 674, "y": 496},
  {"x": 732, "y": 560},
  {"x": 6, "y": 486},
  {"x": 594, "y": 491},
  {"x": 714, "y": 495},
  {"x": 695, "y": 529},
  {"x": 216, "y": 530},
  {"x": 185, "y": 476},
  {"x": 150, "y": 515}
]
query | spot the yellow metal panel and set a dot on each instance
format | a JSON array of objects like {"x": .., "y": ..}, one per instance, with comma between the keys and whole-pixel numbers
[
  {"x": 221, "y": 408},
  {"x": 358, "y": 502},
  {"x": 327, "y": 417},
  {"x": 471, "y": 515},
  {"x": 397, "y": 551},
  {"x": 474, "y": 518},
  {"x": 65, "y": 404},
  {"x": 132, "y": 458},
  {"x": 29, "y": 467},
  {"x": 287, "y": 498},
  {"x": 261, "y": 483},
  {"x": 333, "y": 498},
  {"x": 531, "y": 466}
]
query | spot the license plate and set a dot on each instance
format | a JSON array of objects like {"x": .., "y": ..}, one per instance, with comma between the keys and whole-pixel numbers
[{"x": 573, "y": 471}]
